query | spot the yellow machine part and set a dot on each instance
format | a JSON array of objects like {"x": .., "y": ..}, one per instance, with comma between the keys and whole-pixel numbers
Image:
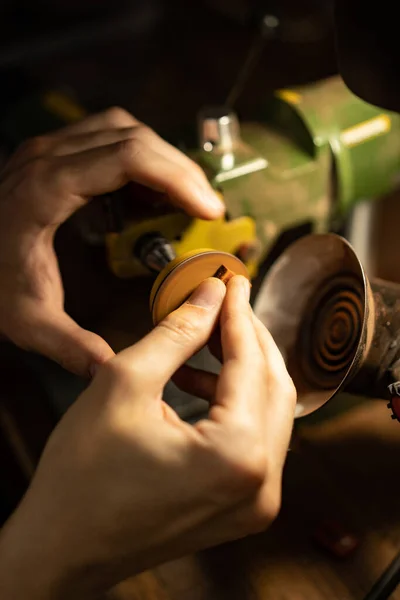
[
  {"x": 225, "y": 236},
  {"x": 222, "y": 235},
  {"x": 121, "y": 259}
]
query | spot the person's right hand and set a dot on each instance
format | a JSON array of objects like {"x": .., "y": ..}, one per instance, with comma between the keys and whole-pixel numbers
[{"x": 124, "y": 484}]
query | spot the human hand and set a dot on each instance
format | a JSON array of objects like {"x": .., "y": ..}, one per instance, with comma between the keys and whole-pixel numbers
[
  {"x": 124, "y": 484},
  {"x": 47, "y": 180}
]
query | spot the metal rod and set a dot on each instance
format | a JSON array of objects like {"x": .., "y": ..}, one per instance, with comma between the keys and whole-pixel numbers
[
  {"x": 268, "y": 30},
  {"x": 245, "y": 71},
  {"x": 154, "y": 251},
  {"x": 387, "y": 583}
]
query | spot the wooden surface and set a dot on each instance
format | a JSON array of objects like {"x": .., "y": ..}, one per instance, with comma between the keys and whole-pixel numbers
[{"x": 345, "y": 468}]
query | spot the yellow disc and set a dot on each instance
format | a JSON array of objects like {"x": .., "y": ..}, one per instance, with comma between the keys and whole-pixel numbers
[{"x": 181, "y": 277}]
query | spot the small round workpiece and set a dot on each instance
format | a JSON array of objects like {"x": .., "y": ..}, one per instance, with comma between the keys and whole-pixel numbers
[{"x": 181, "y": 277}]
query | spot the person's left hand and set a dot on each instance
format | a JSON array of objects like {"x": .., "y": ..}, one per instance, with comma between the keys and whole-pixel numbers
[{"x": 46, "y": 181}]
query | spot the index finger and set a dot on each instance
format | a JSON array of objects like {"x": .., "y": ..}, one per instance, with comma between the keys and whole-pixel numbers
[
  {"x": 104, "y": 169},
  {"x": 242, "y": 374},
  {"x": 254, "y": 388},
  {"x": 281, "y": 401}
]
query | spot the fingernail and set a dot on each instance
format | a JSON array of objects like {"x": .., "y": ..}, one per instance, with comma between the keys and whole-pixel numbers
[
  {"x": 209, "y": 294},
  {"x": 93, "y": 369},
  {"x": 246, "y": 288},
  {"x": 213, "y": 200}
]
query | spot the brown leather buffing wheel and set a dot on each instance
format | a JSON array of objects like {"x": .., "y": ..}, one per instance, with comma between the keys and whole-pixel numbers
[{"x": 181, "y": 276}]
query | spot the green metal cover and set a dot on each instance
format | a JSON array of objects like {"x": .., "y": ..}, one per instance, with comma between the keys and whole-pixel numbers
[{"x": 364, "y": 139}]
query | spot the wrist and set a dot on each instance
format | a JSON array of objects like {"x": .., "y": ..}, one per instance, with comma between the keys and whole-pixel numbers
[
  {"x": 28, "y": 571},
  {"x": 35, "y": 563}
]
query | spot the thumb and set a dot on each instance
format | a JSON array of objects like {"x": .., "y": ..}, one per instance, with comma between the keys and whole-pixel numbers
[
  {"x": 60, "y": 338},
  {"x": 179, "y": 336}
]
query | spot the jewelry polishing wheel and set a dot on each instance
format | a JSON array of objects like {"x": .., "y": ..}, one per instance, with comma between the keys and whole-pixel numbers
[{"x": 181, "y": 277}]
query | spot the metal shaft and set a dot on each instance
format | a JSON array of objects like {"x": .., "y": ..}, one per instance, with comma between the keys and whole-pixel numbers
[
  {"x": 268, "y": 30},
  {"x": 154, "y": 251}
]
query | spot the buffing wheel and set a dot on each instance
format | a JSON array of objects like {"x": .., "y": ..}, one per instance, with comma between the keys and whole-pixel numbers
[{"x": 181, "y": 276}]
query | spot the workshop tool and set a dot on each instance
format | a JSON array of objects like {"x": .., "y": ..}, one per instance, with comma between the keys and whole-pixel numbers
[
  {"x": 154, "y": 251},
  {"x": 184, "y": 274},
  {"x": 313, "y": 152},
  {"x": 336, "y": 329},
  {"x": 179, "y": 276}
]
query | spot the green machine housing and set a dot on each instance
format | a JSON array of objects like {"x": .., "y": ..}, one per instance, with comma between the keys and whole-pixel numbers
[{"x": 315, "y": 151}]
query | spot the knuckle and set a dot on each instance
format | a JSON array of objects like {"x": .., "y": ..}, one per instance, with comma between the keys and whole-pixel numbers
[
  {"x": 140, "y": 137},
  {"x": 118, "y": 372},
  {"x": 286, "y": 388},
  {"x": 250, "y": 468},
  {"x": 290, "y": 390},
  {"x": 143, "y": 132},
  {"x": 185, "y": 178},
  {"x": 241, "y": 454},
  {"x": 33, "y": 170},
  {"x": 264, "y": 511},
  {"x": 235, "y": 317},
  {"x": 118, "y": 117},
  {"x": 30, "y": 182},
  {"x": 130, "y": 148},
  {"x": 34, "y": 146},
  {"x": 180, "y": 328},
  {"x": 245, "y": 460},
  {"x": 256, "y": 361},
  {"x": 54, "y": 177}
]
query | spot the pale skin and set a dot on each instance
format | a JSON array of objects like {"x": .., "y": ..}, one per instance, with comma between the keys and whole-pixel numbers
[{"x": 124, "y": 484}]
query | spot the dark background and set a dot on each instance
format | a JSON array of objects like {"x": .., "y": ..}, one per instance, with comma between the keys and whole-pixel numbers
[{"x": 161, "y": 59}]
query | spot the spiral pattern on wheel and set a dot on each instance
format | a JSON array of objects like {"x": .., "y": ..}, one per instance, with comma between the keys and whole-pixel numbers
[{"x": 331, "y": 331}]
